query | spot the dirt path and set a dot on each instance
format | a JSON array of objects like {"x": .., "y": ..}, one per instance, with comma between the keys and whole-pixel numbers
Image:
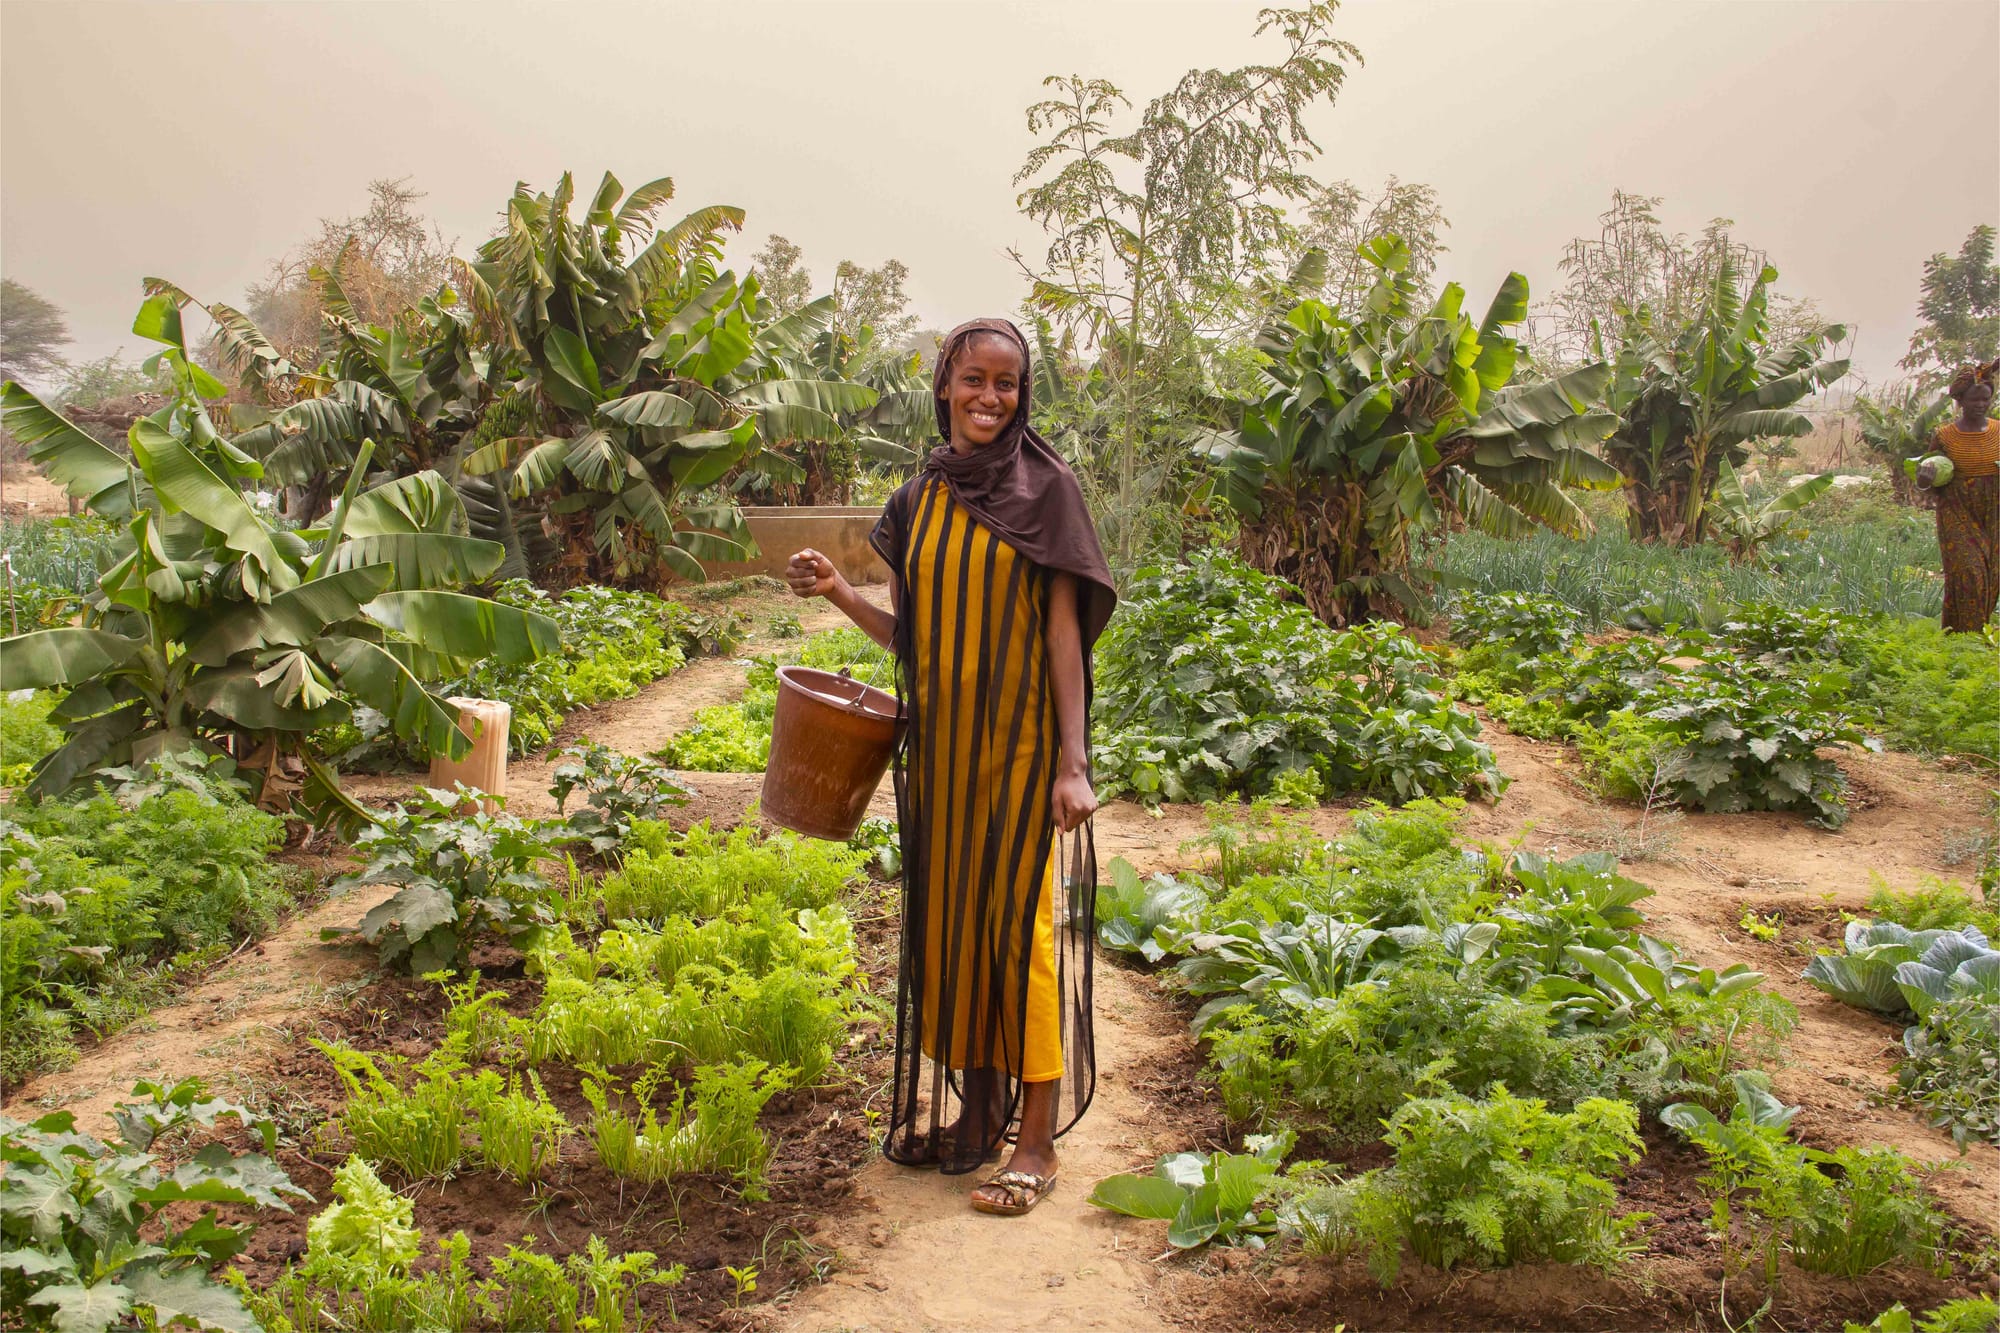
[
  {"x": 224, "y": 1029},
  {"x": 917, "y": 1258}
]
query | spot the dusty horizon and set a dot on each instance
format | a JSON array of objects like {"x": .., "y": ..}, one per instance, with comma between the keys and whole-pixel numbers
[{"x": 202, "y": 141}]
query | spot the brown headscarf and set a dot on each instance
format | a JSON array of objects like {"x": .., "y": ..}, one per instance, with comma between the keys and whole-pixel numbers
[
  {"x": 1967, "y": 376},
  {"x": 1018, "y": 487}
]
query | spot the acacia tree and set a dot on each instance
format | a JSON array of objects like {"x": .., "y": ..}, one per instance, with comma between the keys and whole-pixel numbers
[
  {"x": 1163, "y": 234},
  {"x": 1960, "y": 309},
  {"x": 390, "y": 257},
  {"x": 31, "y": 329}
]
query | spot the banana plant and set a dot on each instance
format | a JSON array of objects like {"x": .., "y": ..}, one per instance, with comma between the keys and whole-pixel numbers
[
  {"x": 1744, "y": 525},
  {"x": 868, "y": 405},
  {"x": 1383, "y": 423},
  {"x": 653, "y": 378},
  {"x": 1896, "y": 426},
  {"x": 217, "y": 628},
  {"x": 1692, "y": 399}
]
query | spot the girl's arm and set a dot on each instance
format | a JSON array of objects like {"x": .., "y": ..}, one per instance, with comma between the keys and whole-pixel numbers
[
  {"x": 1071, "y": 797},
  {"x": 813, "y": 575}
]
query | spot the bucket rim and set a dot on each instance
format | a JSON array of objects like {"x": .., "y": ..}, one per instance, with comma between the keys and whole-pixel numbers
[{"x": 797, "y": 677}]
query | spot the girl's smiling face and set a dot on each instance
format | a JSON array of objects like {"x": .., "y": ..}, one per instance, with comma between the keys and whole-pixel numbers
[{"x": 984, "y": 390}]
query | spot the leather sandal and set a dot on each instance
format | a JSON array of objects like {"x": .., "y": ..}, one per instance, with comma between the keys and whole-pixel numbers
[{"x": 1023, "y": 1189}]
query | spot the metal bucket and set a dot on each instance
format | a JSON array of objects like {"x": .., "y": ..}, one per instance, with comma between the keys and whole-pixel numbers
[{"x": 831, "y": 740}]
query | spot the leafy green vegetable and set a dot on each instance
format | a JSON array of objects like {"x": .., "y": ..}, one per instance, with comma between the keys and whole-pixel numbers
[
  {"x": 458, "y": 876},
  {"x": 1212, "y": 683},
  {"x": 90, "y": 1229},
  {"x": 106, "y": 900},
  {"x": 1951, "y": 1067},
  {"x": 1489, "y": 1183},
  {"x": 1204, "y": 1197},
  {"x": 1865, "y": 976}
]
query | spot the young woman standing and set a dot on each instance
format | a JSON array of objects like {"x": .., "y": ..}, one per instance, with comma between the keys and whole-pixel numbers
[{"x": 999, "y": 589}]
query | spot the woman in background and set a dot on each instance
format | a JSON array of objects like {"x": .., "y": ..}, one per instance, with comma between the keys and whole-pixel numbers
[{"x": 1968, "y": 506}]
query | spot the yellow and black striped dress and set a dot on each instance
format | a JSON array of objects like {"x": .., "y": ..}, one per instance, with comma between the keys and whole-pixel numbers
[{"x": 995, "y": 962}]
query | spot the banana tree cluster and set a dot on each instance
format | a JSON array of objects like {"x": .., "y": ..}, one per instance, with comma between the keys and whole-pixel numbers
[
  {"x": 1389, "y": 421},
  {"x": 1691, "y": 399},
  {"x": 653, "y": 378},
  {"x": 586, "y": 385},
  {"x": 218, "y": 627}
]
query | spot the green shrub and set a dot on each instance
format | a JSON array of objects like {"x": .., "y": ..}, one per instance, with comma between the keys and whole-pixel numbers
[
  {"x": 458, "y": 876},
  {"x": 96, "y": 1234},
  {"x": 1951, "y": 1068},
  {"x": 1935, "y": 904},
  {"x": 1503, "y": 628},
  {"x": 1212, "y": 683},
  {"x": 1425, "y": 1029},
  {"x": 103, "y": 902},
  {"x": 61, "y": 554},
  {"x": 1846, "y": 1212},
  {"x": 1930, "y": 691},
  {"x": 1488, "y": 1183},
  {"x": 617, "y": 790}
]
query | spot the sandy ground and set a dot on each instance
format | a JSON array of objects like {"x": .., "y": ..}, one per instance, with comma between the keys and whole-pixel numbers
[
  {"x": 25, "y": 491},
  {"x": 915, "y": 1257}
]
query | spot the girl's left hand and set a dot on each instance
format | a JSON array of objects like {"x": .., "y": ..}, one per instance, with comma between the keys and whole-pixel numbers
[{"x": 1072, "y": 800}]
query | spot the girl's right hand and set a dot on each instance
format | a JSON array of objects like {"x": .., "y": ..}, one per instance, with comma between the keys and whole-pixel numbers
[{"x": 811, "y": 574}]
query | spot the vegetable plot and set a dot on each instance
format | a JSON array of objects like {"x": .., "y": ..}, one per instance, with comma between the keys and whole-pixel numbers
[{"x": 1212, "y": 683}]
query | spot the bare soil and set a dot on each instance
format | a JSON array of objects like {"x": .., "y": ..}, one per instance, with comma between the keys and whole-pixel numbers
[{"x": 851, "y": 1242}]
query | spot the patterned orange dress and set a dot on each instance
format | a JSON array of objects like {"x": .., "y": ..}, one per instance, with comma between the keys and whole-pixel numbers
[{"x": 1968, "y": 525}]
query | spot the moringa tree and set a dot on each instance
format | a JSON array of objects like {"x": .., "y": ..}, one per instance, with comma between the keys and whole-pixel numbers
[
  {"x": 1162, "y": 231},
  {"x": 1960, "y": 309}
]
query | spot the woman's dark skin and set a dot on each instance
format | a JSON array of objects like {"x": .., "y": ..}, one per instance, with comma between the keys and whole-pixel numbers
[
  {"x": 1974, "y": 406},
  {"x": 983, "y": 392}
]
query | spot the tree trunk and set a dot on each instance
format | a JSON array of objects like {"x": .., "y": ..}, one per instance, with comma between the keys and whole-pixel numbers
[{"x": 1317, "y": 541}]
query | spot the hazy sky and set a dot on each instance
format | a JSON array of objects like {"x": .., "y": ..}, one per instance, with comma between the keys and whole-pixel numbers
[{"x": 198, "y": 141}]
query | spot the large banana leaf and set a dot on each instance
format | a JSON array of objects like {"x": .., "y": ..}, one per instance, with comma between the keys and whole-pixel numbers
[
  {"x": 67, "y": 655},
  {"x": 422, "y": 502},
  {"x": 423, "y": 559},
  {"x": 377, "y": 679},
  {"x": 73, "y": 460},
  {"x": 94, "y": 743},
  {"x": 655, "y": 407},
  {"x": 295, "y": 617},
  {"x": 461, "y": 626},
  {"x": 237, "y": 693},
  {"x": 183, "y": 482}
]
